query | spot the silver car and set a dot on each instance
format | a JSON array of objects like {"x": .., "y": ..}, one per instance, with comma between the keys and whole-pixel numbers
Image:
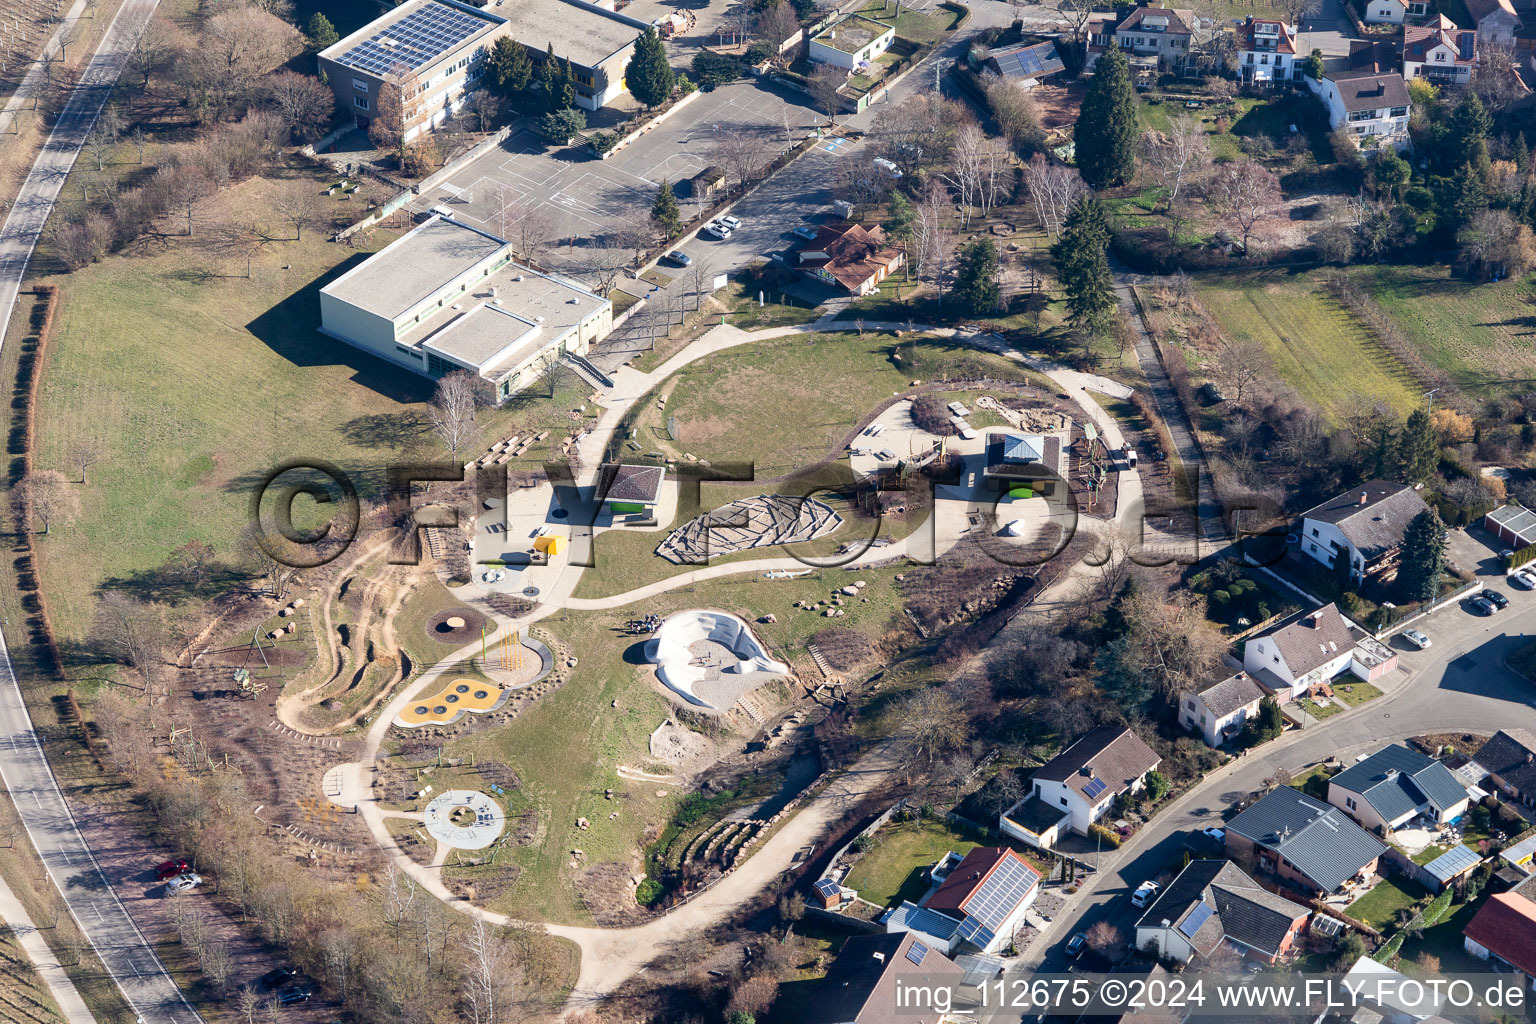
[
  {"x": 1417, "y": 638},
  {"x": 184, "y": 881}
]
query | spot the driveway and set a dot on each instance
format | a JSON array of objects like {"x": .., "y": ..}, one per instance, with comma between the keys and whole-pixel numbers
[
  {"x": 1459, "y": 684},
  {"x": 1329, "y": 30}
]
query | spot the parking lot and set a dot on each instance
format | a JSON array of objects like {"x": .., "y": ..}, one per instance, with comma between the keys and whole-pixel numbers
[{"x": 587, "y": 200}]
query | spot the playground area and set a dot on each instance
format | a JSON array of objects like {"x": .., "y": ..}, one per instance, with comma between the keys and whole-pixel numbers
[
  {"x": 510, "y": 664},
  {"x": 746, "y": 523},
  {"x": 464, "y": 819},
  {"x": 710, "y": 658}
]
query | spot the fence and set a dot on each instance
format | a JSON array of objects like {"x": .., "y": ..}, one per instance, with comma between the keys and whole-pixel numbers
[{"x": 431, "y": 181}]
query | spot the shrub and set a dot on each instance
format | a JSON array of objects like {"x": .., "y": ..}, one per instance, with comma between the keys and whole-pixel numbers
[
  {"x": 648, "y": 892},
  {"x": 1110, "y": 837},
  {"x": 711, "y": 69},
  {"x": 931, "y": 413}
]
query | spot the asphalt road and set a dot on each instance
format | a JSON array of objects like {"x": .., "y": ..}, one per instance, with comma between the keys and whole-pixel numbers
[
  {"x": 118, "y": 942},
  {"x": 1458, "y": 685}
]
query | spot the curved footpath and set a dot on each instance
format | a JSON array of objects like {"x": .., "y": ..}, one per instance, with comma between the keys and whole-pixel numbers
[{"x": 122, "y": 948}]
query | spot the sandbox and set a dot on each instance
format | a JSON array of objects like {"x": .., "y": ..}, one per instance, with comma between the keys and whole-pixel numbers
[{"x": 710, "y": 658}]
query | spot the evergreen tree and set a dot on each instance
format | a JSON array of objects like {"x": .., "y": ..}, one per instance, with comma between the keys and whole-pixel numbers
[
  {"x": 1312, "y": 67},
  {"x": 1082, "y": 264},
  {"x": 665, "y": 211},
  {"x": 549, "y": 78},
  {"x": 1418, "y": 453},
  {"x": 976, "y": 286},
  {"x": 1468, "y": 198},
  {"x": 1421, "y": 565},
  {"x": 321, "y": 32},
  {"x": 567, "y": 86},
  {"x": 1123, "y": 675},
  {"x": 649, "y": 75},
  {"x": 1106, "y": 133},
  {"x": 510, "y": 67},
  {"x": 1265, "y": 725},
  {"x": 1466, "y": 132},
  {"x": 559, "y": 125}
]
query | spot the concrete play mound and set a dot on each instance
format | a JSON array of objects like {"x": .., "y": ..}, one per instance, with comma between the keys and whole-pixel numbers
[
  {"x": 464, "y": 819},
  {"x": 710, "y": 658}
]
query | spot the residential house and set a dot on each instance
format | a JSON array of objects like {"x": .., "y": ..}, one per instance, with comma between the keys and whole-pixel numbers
[
  {"x": 433, "y": 52},
  {"x": 1365, "y": 94},
  {"x": 1304, "y": 841},
  {"x": 446, "y": 296},
  {"x": 850, "y": 257},
  {"x": 1395, "y": 787},
  {"x": 850, "y": 42},
  {"x": 1313, "y": 650},
  {"x": 1219, "y": 712},
  {"x": 1024, "y": 65},
  {"x": 1032, "y": 462},
  {"x": 1380, "y": 999},
  {"x": 1440, "y": 52},
  {"x": 1504, "y": 929},
  {"x": 1508, "y": 761},
  {"x": 978, "y": 906},
  {"x": 1365, "y": 523},
  {"x": 1075, "y": 788},
  {"x": 860, "y": 985},
  {"x": 1496, "y": 21},
  {"x": 1266, "y": 50},
  {"x": 1514, "y": 526},
  {"x": 1165, "y": 33},
  {"x": 1211, "y": 903},
  {"x": 1385, "y": 12},
  {"x": 630, "y": 490}
]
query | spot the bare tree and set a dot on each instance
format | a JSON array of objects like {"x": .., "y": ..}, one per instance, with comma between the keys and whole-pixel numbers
[
  {"x": 741, "y": 152},
  {"x": 185, "y": 187},
  {"x": 965, "y": 169},
  {"x": 1105, "y": 938},
  {"x": 658, "y": 316},
  {"x": 1246, "y": 192},
  {"x": 1078, "y": 14},
  {"x": 1177, "y": 157},
  {"x": 132, "y": 633},
  {"x": 1053, "y": 190},
  {"x": 825, "y": 84},
  {"x": 84, "y": 454},
  {"x": 534, "y": 231},
  {"x": 933, "y": 236},
  {"x": 484, "y": 991},
  {"x": 931, "y": 722},
  {"x": 48, "y": 499},
  {"x": 1496, "y": 79},
  {"x": 303, "y": 102},
  {"x": 138, "y": 140},
  {"x": 395, "y": 112},
  {"x": 700, "y": 277},
  {"x": 550, "y": 373},
  {"x": 239, "y": 240},
  {"x": 155, "y": 46},
  {"x": 1297, "y": 10},
  {"x": 1239, "y": 366},
  {"x": 1017, "y": 114},
  {"x": 486, "y": 105},
  {"x": 452, "y": 410},
  {"x": 301, "y": 210},
  {"x": 245, "y": 43}
]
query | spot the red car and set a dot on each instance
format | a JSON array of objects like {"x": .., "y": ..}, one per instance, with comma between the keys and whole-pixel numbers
[{"x": 170, "y": 869}]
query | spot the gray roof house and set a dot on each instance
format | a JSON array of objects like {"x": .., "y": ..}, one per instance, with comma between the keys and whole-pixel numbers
[
  {"x": 1509, "y": 760},
  {"x": 1304, "y": 840},
  {"x": 1394, "y": 787},
  {"x": 1314, "y": 649},
  {"x": 860, "y": 986},
  {"x": 1076, "y": 787},
  {"x": 1220, "y": 711},
  {"x": 1366, "y": 521},
  {"x": 1213, "y": 901}
]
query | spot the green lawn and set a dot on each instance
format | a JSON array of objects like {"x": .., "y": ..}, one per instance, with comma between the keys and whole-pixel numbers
[
  {"x": 1472, "y": 331},
  {"x": 778, "y": 309},
  {"x": 1378, "y": 908},
  {"x": 916, "y": 26},
  {"x": 1354, "y": 692},
  {"x": 894, "y": 870},
  {"x": 1445, "y": 942},
  {"x": 198, "y": 384},
  {"x": 1313, "y": 343}
]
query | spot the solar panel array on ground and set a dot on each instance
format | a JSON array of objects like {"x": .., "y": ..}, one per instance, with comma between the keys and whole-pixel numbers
[
  {"x": 421, "y": 36},
  {"x": 1027, "y": 61}
]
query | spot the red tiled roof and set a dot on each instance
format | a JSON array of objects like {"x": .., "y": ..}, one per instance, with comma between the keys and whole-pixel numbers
[
  {"x": 1284, "y": 41},
  {"x": 1507, "y": 926},
  {"x": 1418, "y": 40},
  {"x": 966, "y": 879},
  {"x": 854, "y": 253}
]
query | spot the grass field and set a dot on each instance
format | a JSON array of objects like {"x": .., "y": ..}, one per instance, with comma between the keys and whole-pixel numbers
[
  {"x": 895, "y": 869},
  {"x": 1472, "y": 331},
  {"x": 740, "y": 300},
  {"x": 1312, "y": 342},
  {"x": 917, "y": 26},
  {"x": 197, "y": 384},
  {"x": 1378, "y": 908}
]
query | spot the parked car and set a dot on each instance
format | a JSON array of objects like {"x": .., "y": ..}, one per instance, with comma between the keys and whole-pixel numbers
[
  {"x": 1482, "y": 606},
  {"x": 733, "y": 223},
  {"x": 1523, "y": 579},
  {"x": 1417, "y": 638},
  {"x": 804, "y": 231},
  {"x": 678, "y": 258},
  {"x": 1216, "y": 835},
  {"x": 1076, "y": 944},
  {"x": 1497, "y": 598},
  {"x": 170, "y": 869},
  {"x": 294, "y": 994},
  {"x": 276, "y": 977},
  {"x": 184, "y": 881},
  {"x": 715, "y": 229},
  {"x": 1144, "y": 894}
]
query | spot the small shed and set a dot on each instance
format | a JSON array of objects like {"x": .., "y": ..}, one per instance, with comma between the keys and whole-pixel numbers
[{"x": 1514, "y": 525}]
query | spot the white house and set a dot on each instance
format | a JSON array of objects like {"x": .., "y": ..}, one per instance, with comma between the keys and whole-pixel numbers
[
  {"x": 1219, "y": 712},
  {"x": 1440, "y": 52},
  {"x": 1315, "y": 649},
  {"x": 1385, "y": 12},
  {"x": 850, "y": 41},
  {"x": 1161, "y": 32},
  {"x": 1075, "y": 788},
  {"x": 1365, "y": 93},
  {"x": 446, "y": 296},
  {"x": 1396, "y": 786},
  {"x": 1496, "y": 20},
  {"x": 1366, "y": 522},
  {"x": 1266, "y": 50}
]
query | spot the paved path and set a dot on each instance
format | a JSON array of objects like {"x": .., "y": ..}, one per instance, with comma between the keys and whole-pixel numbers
[
  {"x": 44, "y": 960},
  {"x": 122, "y": 948},
  {"x": 34, "y": 76}
]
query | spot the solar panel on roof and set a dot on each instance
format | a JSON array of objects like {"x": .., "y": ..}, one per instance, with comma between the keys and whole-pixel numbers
[
  {"x": 1196, "y": 918},
  {"x": 1002, "y": 891},
  {"x": 416, "y": 39},
  {"x": 826, "y": 887},
  {"x": 917, "y": 952},
  {"x": 972, "y": 930},
  {"x": 1094, "y": 788}
]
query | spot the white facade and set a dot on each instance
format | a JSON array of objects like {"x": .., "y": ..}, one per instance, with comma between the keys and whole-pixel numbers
[
  {"x": 850, "y": 42},
  {"x": 1263, "y": 654},
  {"x": 1323, "y": 541},
  {"x": 1385, "y": 12},
  {"x": 1439, "y": 66},
  {"x": 1266, "y": 65},
  {"x": 1214, "y": 729},
  {"x": 1385, "y": 123}
]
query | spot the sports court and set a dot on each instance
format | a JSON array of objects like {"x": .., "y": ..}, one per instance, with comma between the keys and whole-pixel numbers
[{"x": 585, "y": 198}]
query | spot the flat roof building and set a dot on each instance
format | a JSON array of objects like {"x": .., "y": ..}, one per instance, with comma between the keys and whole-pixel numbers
[
  {"x": 852, "y": 41},
  {"x": 447, "y": 296}
]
